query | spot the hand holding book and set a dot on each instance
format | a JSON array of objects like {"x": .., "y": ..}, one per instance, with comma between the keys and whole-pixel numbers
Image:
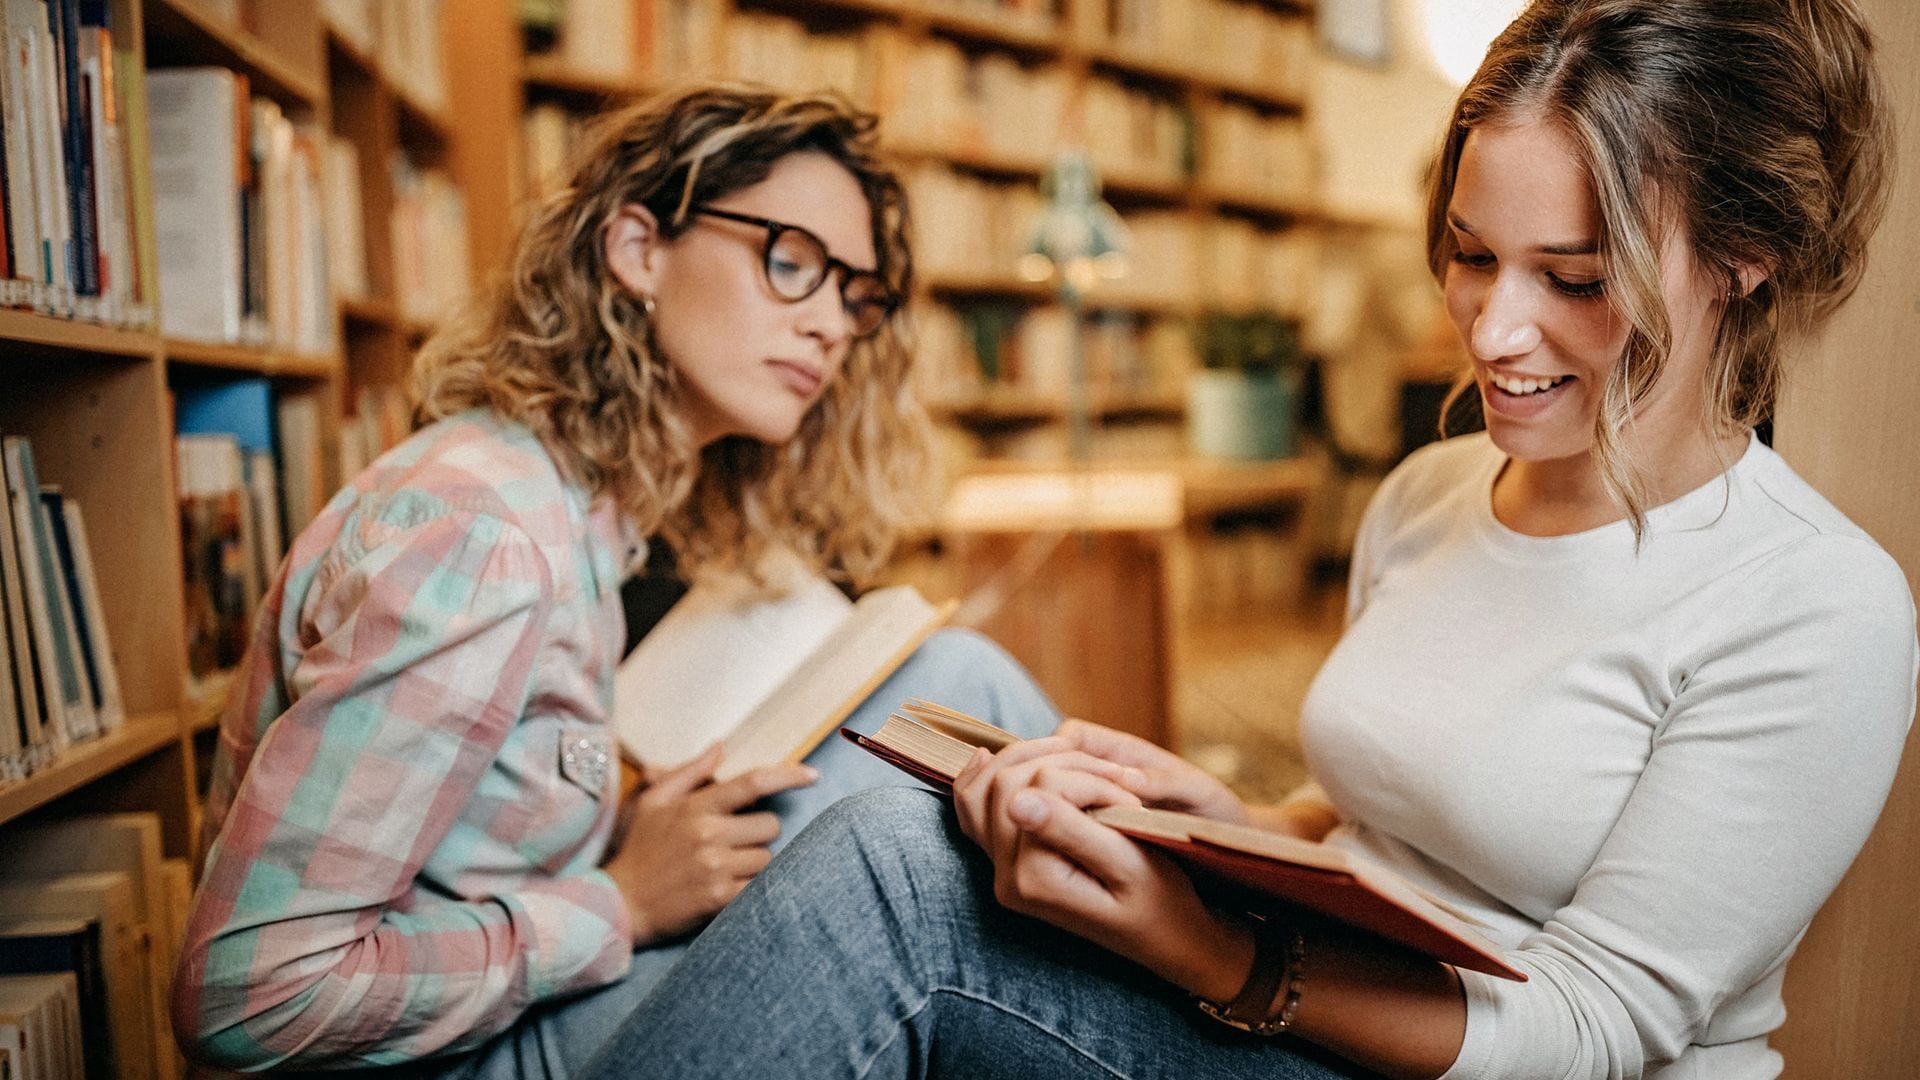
[{"x": 939, "y": 746}]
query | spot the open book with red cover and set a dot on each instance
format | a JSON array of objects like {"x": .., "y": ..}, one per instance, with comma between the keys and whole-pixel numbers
[{"x": 933, "y": 743}]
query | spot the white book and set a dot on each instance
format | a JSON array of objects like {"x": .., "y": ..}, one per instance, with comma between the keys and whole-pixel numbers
[
  {"x": 50, "y": 173},
  {"x": 301, "y": 484},
  {"x": 771, "y": 677},
  {"x": 109, "y": 173},
  {"x": 598, "y": 37},
  {"x": 20, "y": 656},
  {"x": 346, "y": 230},
  {"x": 112, "y": 707},
  {"x": 263, "y": 489},
  {"x": 23, "y": 212},
  {"x": 195, "y": 115},
  {"x": 34, "y": 1018}
]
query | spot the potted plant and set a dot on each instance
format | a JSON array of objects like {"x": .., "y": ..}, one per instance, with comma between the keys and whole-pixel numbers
[{"x": 1242, "y": 403}]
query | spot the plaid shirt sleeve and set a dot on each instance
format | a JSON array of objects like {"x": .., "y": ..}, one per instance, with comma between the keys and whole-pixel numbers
[{"x": 307, "y": 945}]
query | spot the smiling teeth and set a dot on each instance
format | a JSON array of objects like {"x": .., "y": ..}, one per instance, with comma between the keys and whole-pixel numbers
[{"x": 1525, "y": 386}]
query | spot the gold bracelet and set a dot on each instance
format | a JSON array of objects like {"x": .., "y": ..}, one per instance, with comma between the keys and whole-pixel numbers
[{"x": 1249, "y": 1009}]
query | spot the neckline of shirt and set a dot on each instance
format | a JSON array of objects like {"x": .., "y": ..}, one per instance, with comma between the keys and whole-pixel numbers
[{"x": 1695, "y": 509}]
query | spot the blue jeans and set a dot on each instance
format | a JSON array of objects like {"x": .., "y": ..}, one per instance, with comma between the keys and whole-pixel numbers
[
  {"x": 955, "y": 667},
  {"x": 874, "y": 948}
]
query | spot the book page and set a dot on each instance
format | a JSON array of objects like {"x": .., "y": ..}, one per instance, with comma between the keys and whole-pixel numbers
[
  {"x": 876, "y": 638},
  {"x": 714, "y": 657}
]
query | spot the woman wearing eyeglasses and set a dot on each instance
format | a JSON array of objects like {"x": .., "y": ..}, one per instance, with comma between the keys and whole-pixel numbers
[{"x": 413, "y": 851}]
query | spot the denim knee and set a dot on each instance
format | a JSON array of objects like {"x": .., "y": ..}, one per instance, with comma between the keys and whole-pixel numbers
[{"x": 884, "y": 833}]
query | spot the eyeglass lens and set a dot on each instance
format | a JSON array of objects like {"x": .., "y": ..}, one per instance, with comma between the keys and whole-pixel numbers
[{"x": 797, "y": 264}]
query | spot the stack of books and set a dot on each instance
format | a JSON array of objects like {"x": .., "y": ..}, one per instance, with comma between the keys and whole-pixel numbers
[
  {"x": 58, "y": 685},
  {"x": 67, "y": 237}
]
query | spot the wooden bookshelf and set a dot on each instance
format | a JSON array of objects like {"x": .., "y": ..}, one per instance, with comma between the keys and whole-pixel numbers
[
  {"x": 94, "y": 400},
  {"x": 184, "y": 33},
  {"x": 29, "y": 337},
  {"x": 1072, "y": 50},
  {"x": 254, "y": 361}
]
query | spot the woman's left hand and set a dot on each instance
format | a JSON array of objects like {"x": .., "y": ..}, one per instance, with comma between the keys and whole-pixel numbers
[{"x": 1027, "y": 807}]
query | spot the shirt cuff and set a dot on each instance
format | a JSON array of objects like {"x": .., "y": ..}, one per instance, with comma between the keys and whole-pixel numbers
[
  {"x": 1476, "y": 1050},
  {"x": 577, "y": 931}
]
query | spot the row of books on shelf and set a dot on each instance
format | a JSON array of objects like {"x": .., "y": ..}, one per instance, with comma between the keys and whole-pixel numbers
[
  {"x": 1243, "y": 42},
  {"x": 933, "y": 94},
  {"x": 247, "y": 467},
  {"x": 403, "y": 36},
  {"x": 967, "y": 351},
  {"x": 58, "y": 683},
  {"x": 250, "y": 476},
  {"x": 93, "y": 913},
  {"x": 238, "y": 215},
  {"x": 68, "y": 190},
  {"x": 969, "y": 229},
  {"x": 427, "y": 227}
]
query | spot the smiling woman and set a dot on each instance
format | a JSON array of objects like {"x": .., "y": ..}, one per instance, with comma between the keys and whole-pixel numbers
[{"x": 1615, "y": 681}]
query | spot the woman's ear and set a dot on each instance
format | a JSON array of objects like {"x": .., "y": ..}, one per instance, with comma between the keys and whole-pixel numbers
[
  {"x": 634, "y": 248},
  {"x": 1751, "y": 276}
]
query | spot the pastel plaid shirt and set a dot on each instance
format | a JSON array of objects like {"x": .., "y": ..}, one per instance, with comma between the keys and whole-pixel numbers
[{"x": 415, "y": 778}]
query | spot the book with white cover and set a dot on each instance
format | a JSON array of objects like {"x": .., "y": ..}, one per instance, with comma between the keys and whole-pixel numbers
[
  {"x": 769, "y": 676},
  {"x": 195, "y": 116}
]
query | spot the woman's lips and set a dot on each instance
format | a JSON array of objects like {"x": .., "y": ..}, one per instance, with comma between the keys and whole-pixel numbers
[
  {"x": 802, "y": 378},
  {"x": 1523, "y": 406}
]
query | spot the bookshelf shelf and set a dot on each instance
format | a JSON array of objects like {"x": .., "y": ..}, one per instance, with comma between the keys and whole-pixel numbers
[
  {"x": 420, "y": 123},
  {"x": 1152, "y": 68},
  {"x": 45, "y": 335},
  {"x": 973, "y": 161},
  {"x": 1007, "y": 406},
  {"x": 179, "y": 32},
  {"x": 369, "y": 312},
  {"x": 89, "y": 761},
  {"x": 255, "y": 361},
  {"x": 965, "y": 26},
  {"x": 1256, "y": 94},
  {"x": 551, "y": 75},
  {"x": 989, "y": 286},
  {"x": 1266, "y": 208}
]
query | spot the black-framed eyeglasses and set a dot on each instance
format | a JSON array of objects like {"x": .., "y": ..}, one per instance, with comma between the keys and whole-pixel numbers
[{"x": 796, "y": 264}]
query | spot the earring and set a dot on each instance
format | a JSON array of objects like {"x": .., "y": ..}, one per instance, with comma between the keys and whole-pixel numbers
[{"x": 647, "y": 305}]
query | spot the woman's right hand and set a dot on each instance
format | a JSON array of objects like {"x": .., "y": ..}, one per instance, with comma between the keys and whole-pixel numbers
[
  {"x": 1157, "y": 776},
  {"x": 688, "y": 848}
]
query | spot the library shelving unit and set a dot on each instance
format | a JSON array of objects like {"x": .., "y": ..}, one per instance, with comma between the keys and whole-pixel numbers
[
  {"x": 1084, "y": 48},
  {"x": 95, "y": 400}
]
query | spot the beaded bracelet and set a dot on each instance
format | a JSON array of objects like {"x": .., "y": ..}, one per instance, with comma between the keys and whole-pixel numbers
[{"x": 1248, "y": 1011}]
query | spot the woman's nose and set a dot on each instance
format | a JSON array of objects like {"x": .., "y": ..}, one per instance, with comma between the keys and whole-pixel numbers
[
  {"x": 824, "y": 315},
  {"x": 1507, "y": 324}
]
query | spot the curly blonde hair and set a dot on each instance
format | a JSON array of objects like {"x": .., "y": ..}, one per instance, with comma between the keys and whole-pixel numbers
[
  {"x": 558, "y": 344},
  {"x": 1758, "y": 127}
]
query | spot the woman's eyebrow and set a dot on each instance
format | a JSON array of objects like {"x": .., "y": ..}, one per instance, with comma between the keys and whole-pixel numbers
[{"x": 1576, "y": 247}]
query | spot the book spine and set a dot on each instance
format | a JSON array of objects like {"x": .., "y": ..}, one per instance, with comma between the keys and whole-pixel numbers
[
  {"x": 112, "y": 707},
  {"x": 77, "y": 137},
  {"x": 20, "y": 656},
  {"x": 79, "y": 642},
  {"x": 78, "y": 952}
]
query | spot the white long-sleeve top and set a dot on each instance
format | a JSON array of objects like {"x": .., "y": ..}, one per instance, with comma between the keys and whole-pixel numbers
[{"x": 1646, "y": 769}]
